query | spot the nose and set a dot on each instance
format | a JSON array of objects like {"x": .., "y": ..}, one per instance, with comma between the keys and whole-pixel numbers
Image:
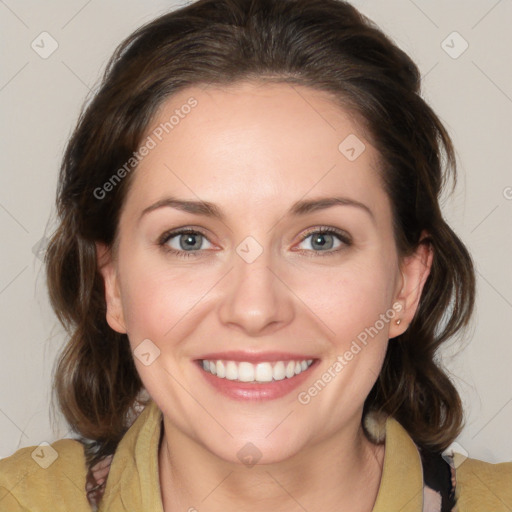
[{"x": 255, "y": 296}]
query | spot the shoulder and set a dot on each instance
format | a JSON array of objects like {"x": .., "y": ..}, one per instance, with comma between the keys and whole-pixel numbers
[
  {"x": 32, "y": 477},
  {"x": 482, "y": 486}
]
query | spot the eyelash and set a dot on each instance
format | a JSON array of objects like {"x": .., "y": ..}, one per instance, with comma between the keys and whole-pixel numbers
[{"x": 322, "y": 230}]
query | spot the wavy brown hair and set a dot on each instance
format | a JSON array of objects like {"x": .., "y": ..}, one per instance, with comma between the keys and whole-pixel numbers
[{"x": 323, "y": 44}]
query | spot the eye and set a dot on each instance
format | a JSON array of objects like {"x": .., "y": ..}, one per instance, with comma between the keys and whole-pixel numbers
[
  {"x": 323, "y": 238},
  {"x": 188, "y": 242}
]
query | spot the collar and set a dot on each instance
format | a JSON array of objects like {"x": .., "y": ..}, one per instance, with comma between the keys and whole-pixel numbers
[
  {"x": 133, "y": 482},
  {"x": 401, "y": 485}
]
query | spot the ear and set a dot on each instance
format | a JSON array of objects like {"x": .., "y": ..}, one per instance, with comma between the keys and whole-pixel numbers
[
  {"x": 415, "y": 270},
  {"x": 107, "y": 268}
]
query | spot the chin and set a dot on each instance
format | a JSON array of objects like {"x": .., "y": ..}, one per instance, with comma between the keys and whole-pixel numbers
[{"x": 251, "y": 453}]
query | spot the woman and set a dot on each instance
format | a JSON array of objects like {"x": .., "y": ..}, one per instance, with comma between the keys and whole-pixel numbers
[{"x": 251, "y": 252}]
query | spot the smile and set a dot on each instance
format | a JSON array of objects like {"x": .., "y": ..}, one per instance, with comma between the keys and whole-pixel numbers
[{"x": 263, "y": 372}]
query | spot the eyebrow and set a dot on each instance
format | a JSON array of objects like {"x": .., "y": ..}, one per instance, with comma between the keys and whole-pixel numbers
[{"x": 300, "y": 208}]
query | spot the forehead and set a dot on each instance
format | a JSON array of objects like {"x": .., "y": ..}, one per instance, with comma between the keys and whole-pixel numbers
[{"x": 250, "y": 143}]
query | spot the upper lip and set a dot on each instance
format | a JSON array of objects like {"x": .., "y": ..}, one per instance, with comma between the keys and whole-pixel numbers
[{"x": 255, "y": 357}]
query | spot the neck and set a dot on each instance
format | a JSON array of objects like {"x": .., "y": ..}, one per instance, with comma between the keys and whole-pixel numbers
[{"x": 342, "y": 472}]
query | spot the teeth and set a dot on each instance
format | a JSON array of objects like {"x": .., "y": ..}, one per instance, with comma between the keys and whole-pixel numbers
[
  {"x": 261, "y": 372},
  {"x": 221, "y": 369},
  {"x": 245, "y": 372},
  {"x": 231, "y": 371},
  {"x": 278, "y": 372}
]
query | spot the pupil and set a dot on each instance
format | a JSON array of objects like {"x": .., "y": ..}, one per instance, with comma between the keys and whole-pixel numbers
[
  {"x": 320, "y": 239},
  {"x": 189, "y": 241}
]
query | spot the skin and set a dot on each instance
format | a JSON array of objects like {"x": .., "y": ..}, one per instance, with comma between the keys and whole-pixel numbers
[{"x": 254, "y": 149}]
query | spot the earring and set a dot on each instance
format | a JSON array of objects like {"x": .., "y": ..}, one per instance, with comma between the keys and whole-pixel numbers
[{"x": 398, "y": 321}]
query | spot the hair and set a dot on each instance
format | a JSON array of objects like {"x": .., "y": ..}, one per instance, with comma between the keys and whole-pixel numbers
[{"x": 323, "y": 44}]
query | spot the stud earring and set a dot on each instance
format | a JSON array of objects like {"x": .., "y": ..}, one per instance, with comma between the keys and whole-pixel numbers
[{"x": 398, "y": 321}]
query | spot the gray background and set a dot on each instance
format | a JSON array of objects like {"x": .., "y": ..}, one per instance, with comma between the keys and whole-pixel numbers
[{"x": 40, "y": 99}]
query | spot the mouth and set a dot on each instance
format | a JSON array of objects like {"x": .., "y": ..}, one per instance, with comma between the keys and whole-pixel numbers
[
  {"x": 255, "y": 377},
  {"x": 259, "y": 373}
]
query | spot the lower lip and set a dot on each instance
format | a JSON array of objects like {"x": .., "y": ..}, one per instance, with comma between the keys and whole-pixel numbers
[{"x": 256, "y": 391}]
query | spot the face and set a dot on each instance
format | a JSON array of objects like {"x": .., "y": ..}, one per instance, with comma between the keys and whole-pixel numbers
[{"x": 289, "y": 295}]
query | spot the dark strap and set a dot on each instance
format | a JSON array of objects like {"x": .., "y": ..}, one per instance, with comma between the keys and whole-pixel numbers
[{"x": 439, "y": 477}]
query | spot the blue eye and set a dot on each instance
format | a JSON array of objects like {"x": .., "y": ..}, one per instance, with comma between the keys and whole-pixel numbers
[
  {"x": 187, "y": 239},
  {"x": 190, "y": 242},
  {"x": 323, "y": 238}
]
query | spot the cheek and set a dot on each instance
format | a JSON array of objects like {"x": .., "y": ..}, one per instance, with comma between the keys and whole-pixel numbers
[
  {"x": 157, "y": 295},
  {"x": 350, "y": 297}
]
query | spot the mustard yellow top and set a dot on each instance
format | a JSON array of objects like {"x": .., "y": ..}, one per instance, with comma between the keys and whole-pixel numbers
[{"x": 52, "y": 477}]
